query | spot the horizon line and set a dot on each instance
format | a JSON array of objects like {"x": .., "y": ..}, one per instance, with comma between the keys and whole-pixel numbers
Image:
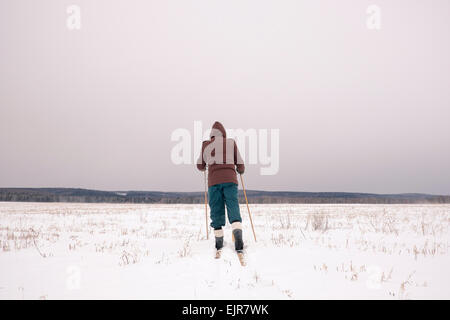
[{"x": 201, "y": 191}]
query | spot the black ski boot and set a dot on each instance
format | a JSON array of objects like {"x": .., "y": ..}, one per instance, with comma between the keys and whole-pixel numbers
[
  {"x": 238, "y": 241},
  {"x": 218, "y": 233}
]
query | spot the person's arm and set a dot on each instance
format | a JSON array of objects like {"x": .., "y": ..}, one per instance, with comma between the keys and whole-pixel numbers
[
  {"x": 240, "y": 167},
  {"x": 201, "y": 164}
]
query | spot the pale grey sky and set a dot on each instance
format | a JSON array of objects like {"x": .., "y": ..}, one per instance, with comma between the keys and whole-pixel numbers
[{"x": 358, "y": 110}]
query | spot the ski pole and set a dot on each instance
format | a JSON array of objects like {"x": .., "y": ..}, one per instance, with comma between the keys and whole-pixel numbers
[
  {"x": 206, "y": 208},
  {"x": 246, "y": 201}
]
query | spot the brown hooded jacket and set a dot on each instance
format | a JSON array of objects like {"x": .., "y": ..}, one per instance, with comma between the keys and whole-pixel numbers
[{"x": 222, "y": 157}]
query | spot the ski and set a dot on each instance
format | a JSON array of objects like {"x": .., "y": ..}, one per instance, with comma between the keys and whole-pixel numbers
[{"x": 241, "y": 258}]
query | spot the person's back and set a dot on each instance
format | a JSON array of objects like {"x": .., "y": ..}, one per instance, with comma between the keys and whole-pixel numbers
[{"x": 222, "y": 157}]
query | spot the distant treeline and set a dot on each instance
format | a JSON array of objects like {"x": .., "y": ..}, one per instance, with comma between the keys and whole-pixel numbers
[{"x": 95, "y": 196}]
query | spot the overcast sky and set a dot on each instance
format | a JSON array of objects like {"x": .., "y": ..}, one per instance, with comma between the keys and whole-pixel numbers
[{"x": 357, "y": 109}]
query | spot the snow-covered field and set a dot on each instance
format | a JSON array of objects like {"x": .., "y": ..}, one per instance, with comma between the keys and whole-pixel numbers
[{"x": 93, "y": 251}]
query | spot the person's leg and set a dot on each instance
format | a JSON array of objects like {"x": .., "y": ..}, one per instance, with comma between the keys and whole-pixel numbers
[
  {"x": 237, "y": 233},
  {"x": 230, "y": 192},
  {"x": 218, "y": 235},
  {"x": 217, "y": 213}
]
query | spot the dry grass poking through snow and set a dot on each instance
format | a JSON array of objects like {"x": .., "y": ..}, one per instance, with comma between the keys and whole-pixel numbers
[
  {"x": 418, "y": 231},
  {"x": 303, "y": 251}
]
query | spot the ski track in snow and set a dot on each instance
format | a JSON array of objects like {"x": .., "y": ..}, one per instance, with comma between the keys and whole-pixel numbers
[{"x": 126, "y": 251}]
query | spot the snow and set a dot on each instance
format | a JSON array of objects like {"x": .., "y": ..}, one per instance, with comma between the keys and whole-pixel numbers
[{"x": 131, "y": 251}]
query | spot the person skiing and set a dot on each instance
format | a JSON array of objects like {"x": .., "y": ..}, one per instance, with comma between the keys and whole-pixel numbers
[{"x": 223, "y": 159}]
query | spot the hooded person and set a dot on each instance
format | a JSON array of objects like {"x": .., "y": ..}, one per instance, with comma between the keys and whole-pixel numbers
[{"x": 223, "y": 159}]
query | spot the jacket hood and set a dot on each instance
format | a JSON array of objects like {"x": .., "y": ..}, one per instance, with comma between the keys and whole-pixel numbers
[{"x": 216, "y": 128}]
